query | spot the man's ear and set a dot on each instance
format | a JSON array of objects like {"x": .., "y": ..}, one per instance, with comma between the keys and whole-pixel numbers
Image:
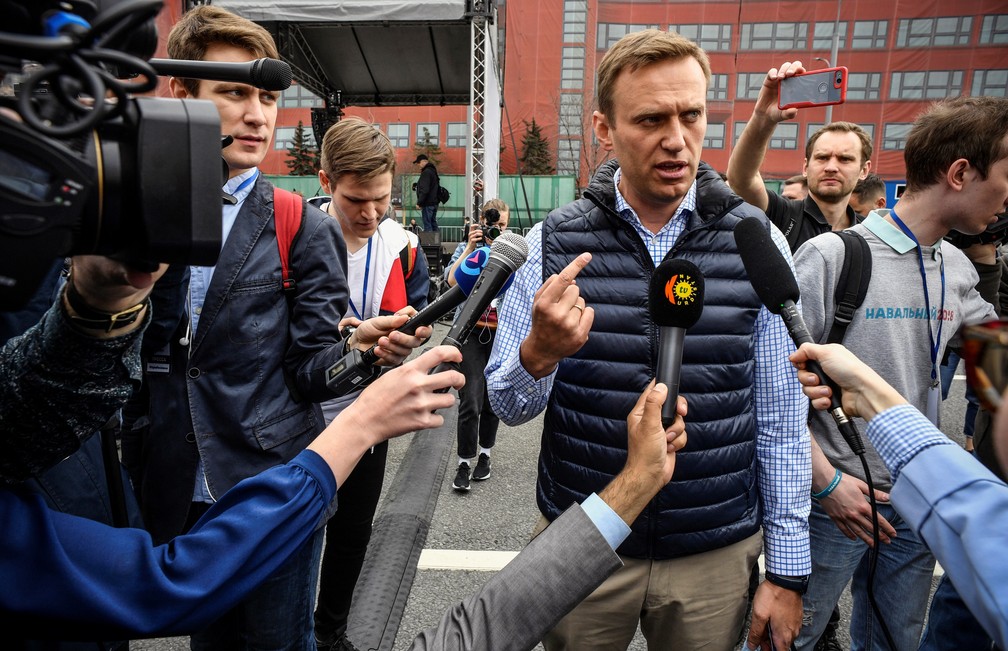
[
  {"x": 958, "y": 173},
  {"x": 177, "y": 88},
  {"x": 602, "y": 129},
  {"x": 323, "y": 180},
  {"x": 865, "y": 169}
]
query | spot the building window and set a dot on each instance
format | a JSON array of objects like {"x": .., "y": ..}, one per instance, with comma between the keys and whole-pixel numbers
[
  {"x": 748, "y": 84},
  {"x": 822, "y": 35},
  {"x": 934, "y": 32},
  {"x": 774, "y": 36},
  {"x": 715, "y": 136},
  {"x": 812, "y": 128},
  {"x": 283, "y": 137},
  {"x": 863, "y": 85},
  {"x": 994, "y": 30},
  {"x": 429, "y": 131},
  {"x": 297, "y": 96},
  {"x": 990, "y": 82},
  {"x": 926, "y": 84},
  {"x": 739, "y": 126},
  {"x": 575, "y": 18},
  {"x": 785, "y": 136},
  {"x": 894, "y": 135},
  {"x": 568, "y": 157},
  {"x": 718, "y": 88},
  {"x": 712, "y": 38},
  {"x": 609, "y": 33},
  {"x": 572, "y": 69},
  {"x": 458, "y": 134},
  {"x": 571, "y": 115},
  {"x": 869, "y": 34},
  {"x": 399, "y": 135}
]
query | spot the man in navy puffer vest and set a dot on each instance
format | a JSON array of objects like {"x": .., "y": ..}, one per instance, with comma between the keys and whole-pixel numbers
[{"x": 575, "y": 338}]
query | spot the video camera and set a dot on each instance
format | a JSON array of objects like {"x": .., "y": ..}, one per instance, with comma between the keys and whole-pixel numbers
[
  {"x": 84, "y": 166},
  {"x": 994, "y": 234}
]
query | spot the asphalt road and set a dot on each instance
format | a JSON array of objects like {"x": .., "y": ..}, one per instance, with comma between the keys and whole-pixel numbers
[{"x": 498, "y": 515}]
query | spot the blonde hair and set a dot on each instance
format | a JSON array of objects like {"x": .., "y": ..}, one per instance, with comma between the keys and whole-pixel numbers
[{"x": 353, "y": 146}]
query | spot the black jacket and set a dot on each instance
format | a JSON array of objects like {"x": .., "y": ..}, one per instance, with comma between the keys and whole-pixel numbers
[{"x": 427, "y": 186}]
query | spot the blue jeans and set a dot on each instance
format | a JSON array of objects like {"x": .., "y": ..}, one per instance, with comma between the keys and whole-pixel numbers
[
  {"x": 429, "y": 217},
  {"x": 277, "y": 615},
  {"x": 902, "y": 584},
  {"x": 951, "y": 626}
]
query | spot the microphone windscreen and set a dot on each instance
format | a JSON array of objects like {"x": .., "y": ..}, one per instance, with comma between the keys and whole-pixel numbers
[
  {"x": 511, "y": 249},
  {"x": 768, "y": 271},
  {"x": 273, "y": 74},
  {"x": 470, "y": 269},
  {"x": 676, "y": 295}
]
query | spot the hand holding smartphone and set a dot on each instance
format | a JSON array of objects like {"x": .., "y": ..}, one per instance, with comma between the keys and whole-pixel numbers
[{"x": 815, "y": 88}]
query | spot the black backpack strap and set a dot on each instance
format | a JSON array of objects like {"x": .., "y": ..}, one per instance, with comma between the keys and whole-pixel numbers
[{"x": 852, "y": 285}]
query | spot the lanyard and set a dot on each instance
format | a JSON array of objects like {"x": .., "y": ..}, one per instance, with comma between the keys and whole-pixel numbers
[
  {"x": 927, "y": 303},
  {"x": 367, "y": 270},
  {"x": 244, "y": 184}
]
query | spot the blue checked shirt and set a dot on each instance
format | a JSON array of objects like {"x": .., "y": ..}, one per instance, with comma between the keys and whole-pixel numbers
[{"x": 784, "y": 468}]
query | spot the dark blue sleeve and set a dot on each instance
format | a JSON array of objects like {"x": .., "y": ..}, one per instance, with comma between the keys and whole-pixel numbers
[{"x": 97, "y": 579}]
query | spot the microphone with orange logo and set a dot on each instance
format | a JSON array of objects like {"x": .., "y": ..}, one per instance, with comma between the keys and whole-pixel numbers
[{"x": 675, "y": 300}]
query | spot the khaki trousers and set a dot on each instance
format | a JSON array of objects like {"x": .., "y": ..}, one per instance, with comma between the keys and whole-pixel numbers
[{"x": 684, "y": 604}]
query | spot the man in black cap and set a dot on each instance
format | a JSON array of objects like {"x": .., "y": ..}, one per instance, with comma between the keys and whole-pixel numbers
[{"x": 427, "y": 187}]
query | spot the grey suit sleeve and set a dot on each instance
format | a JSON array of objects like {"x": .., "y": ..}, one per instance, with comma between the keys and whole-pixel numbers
[{"x": 513, "y": 611}]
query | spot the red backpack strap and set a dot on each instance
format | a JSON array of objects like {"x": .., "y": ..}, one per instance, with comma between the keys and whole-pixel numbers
[{"x": 287, "y": 220}]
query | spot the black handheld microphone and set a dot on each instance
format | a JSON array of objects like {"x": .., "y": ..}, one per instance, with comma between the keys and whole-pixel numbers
[
  {"x": 675, "y": 300},
  {"x": 507, "y": 253},
  {"x": 268, "y": 74},
  {"x": 777, "y": 288}
]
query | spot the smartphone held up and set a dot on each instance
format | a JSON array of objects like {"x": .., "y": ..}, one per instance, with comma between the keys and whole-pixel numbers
[{"x": 815, "y": 88}]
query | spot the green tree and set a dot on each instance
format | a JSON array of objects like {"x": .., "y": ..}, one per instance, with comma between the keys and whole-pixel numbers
[
  {"x": 535, "y": 158},
  {"x": 426, "y": 145},
  {"x": 303, "y": 158}
]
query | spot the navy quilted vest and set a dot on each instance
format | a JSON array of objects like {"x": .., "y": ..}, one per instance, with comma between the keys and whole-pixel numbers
[{"x": 713, "y": 498}]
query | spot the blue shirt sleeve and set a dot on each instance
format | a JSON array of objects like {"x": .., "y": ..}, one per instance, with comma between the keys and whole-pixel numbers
[
  {"x": 957, "y": 507},
  {"x": 783, "y": 446},
  {"x": 515, "y": 396},
  {"x": 63, "y": 567},
  {"x": 610, "y": 525}
]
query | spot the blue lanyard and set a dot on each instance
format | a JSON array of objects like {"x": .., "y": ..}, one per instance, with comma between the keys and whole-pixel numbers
[
  {"x": 244, "y": 184},
  {"x": 367, "y": 270},
  {"x": 927, "y": 303}
]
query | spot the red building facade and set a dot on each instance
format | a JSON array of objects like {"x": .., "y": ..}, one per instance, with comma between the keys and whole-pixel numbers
[{"x": 901, "y": 55}]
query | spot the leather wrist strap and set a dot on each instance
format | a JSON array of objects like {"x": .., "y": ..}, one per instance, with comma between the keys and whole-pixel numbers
[
  {"x": 797, "y": 583},
  {"x": 85, "y": 316}
]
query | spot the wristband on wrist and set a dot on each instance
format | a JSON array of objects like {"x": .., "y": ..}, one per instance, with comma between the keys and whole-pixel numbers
[
  {"x": 797, "y": 583},
  {"x": 829, "y": 489},
  {"x": 85, "y": 316}
]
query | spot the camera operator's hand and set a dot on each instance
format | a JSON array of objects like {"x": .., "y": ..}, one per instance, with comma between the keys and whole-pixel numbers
[{"x": 108, "y": 287}]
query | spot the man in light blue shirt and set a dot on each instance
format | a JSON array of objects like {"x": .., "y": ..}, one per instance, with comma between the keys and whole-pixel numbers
[{"x": 958, "y": 507}]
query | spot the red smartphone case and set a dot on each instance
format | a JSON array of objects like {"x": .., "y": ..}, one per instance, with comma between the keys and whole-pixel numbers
[{"x": 815, "y": 88}]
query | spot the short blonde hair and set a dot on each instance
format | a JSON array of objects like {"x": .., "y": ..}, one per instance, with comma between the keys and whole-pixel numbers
[{"x": 353, "y": 146}]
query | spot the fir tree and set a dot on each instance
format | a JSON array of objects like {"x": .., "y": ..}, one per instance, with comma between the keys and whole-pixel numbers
[
  {"x": 303, "y": 159},
  {"x": 426, "y": 145},
  {"x": 535, "y": 156}
]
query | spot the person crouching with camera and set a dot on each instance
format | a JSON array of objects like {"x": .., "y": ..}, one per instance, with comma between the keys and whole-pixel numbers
[{"x": 477, "y": 424}]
